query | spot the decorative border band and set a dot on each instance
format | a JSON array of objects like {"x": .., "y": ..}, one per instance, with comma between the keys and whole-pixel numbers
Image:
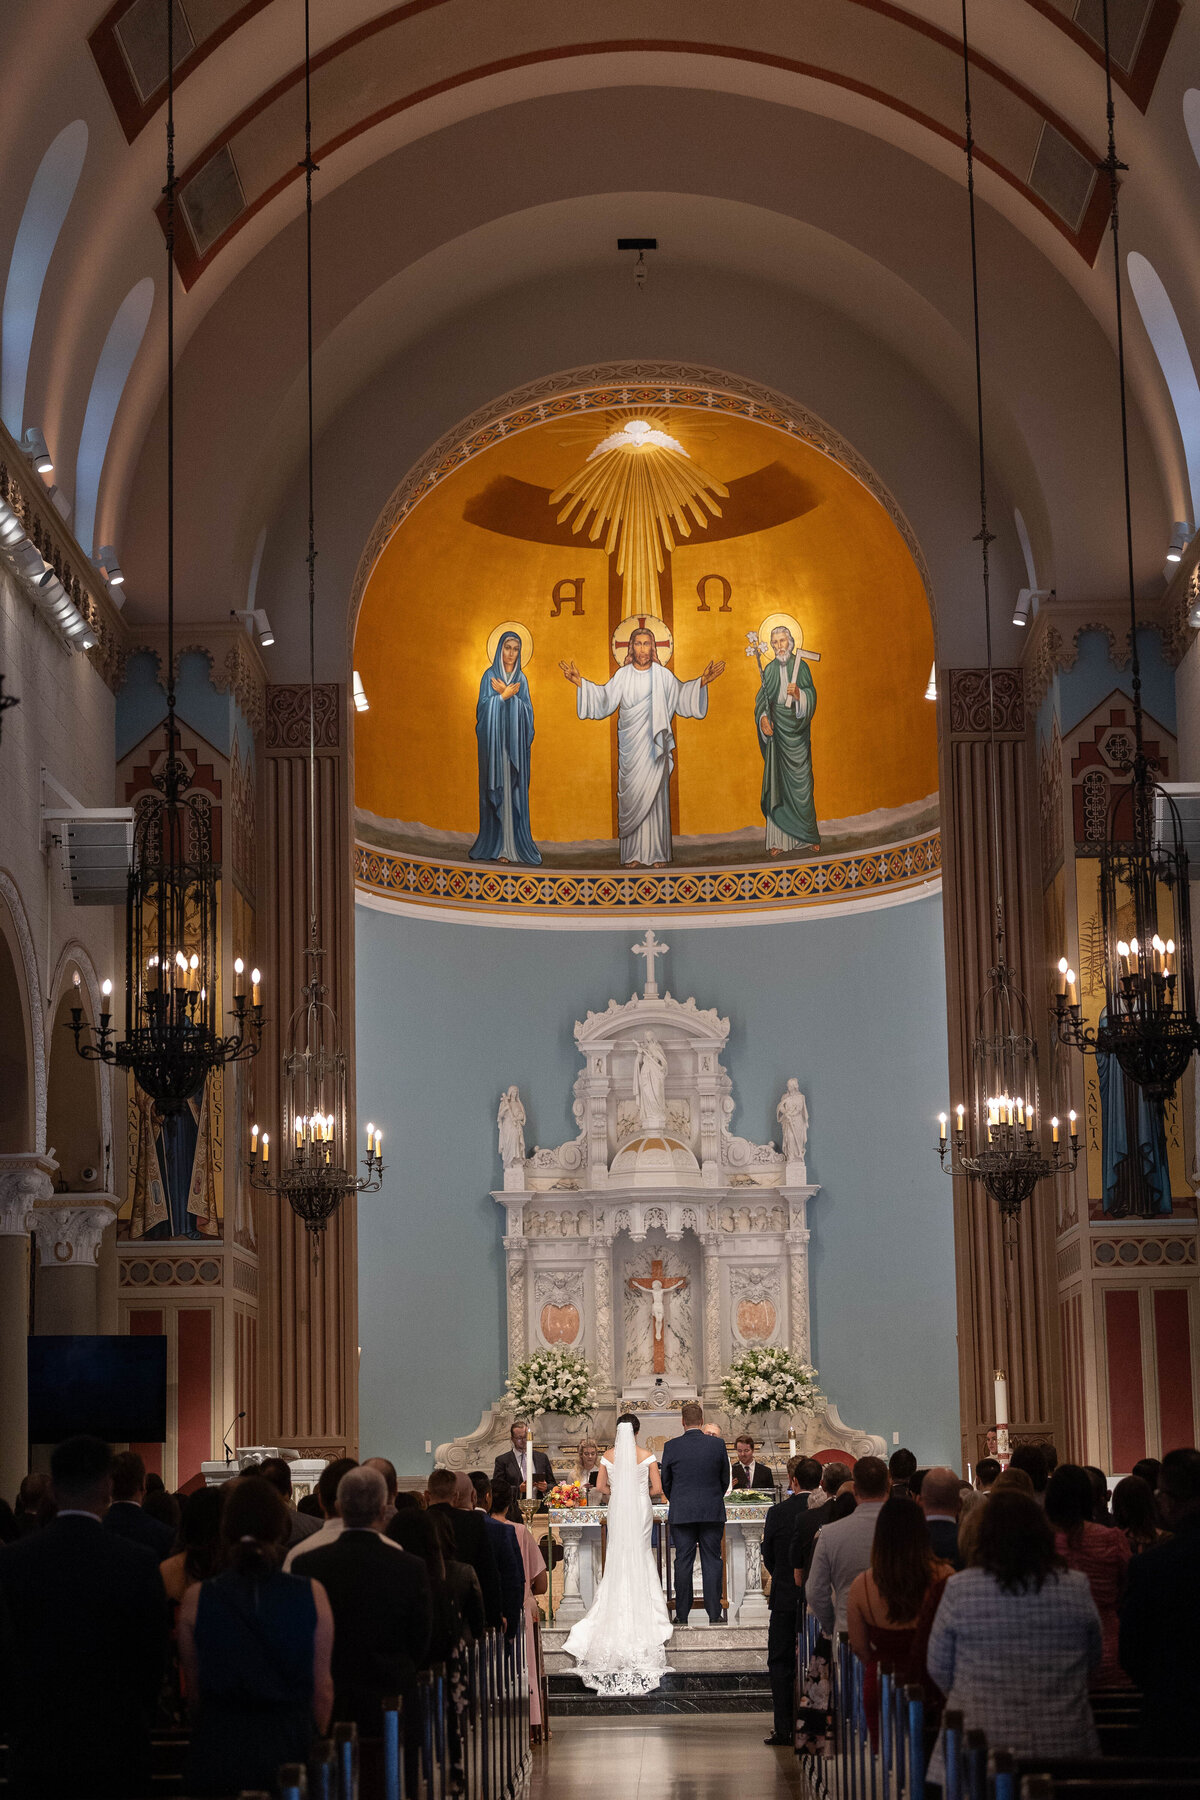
[{"x": 814, "y": 882}]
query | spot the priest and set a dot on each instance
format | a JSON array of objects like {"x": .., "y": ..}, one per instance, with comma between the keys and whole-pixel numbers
[{"x": 647, "y": 698}]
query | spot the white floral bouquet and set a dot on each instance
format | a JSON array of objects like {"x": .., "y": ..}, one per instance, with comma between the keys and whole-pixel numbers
[
  {"x": 550, "y": 1381},
  {"x": 772, "y": 1380}
]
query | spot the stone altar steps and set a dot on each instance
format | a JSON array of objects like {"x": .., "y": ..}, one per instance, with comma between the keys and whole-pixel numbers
[{"x": 715, "y": 1668}]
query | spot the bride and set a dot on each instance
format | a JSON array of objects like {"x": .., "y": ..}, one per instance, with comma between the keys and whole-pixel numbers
[{"x": 619, "y": 1643}]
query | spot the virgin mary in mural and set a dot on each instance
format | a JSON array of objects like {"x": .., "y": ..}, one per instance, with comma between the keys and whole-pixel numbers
[{"x": 504, "y": 735}]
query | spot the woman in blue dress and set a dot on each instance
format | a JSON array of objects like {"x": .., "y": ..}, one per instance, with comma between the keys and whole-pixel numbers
[{"x": 504, "y": 731}]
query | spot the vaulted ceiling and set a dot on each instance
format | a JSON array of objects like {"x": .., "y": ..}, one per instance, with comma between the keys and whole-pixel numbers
[{"x": 478, "y": 159}]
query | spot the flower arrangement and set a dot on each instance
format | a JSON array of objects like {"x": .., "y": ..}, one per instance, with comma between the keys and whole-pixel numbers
[
  {"x": 771, "y": 1380},
  {"x": 568, "y": 1493},
  {"x": 550, "y": 1381}
]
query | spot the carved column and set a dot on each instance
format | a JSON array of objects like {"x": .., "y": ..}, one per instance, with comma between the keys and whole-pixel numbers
[
  {"x": 602, "y": 1298},
  {"x": 69, "y": 1228},
  {"x": 797, "y": 1253},
  {"x": 517, "y": 1276},
  {"x": 24, "y": 1180},
  {"x": 1005, "y": 1305},
  {"x": 308, "y": 1363},
  {"x": 712, "y": 1319}
]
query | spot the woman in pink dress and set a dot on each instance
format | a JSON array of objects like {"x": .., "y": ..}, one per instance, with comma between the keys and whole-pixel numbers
[{"x": 536, "y": 1582}]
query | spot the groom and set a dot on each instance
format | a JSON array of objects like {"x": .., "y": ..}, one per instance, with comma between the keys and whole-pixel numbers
[{"x": 695, "y": 1475}]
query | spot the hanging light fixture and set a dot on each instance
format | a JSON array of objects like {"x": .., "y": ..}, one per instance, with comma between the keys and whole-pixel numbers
[
  {"x": 1149, "y": 1018},
  {"x": 1003, "y": 1142},
  {"x": 171, "y": 1041},
  {"x": 315, "y": 1160}
]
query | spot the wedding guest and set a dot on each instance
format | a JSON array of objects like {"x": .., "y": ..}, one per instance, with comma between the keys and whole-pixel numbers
[
  {"x": 779, "y": 1529},
  {"x": 834, "y": 1477},
  {"x": 276, "y": 1470},
  {"x": 941, "y": 1505},
  {"x": 1014, "y": 1639},
  {"x": 1095, "y": 1551},
  {"x": 512, "y": 1466},
  {"x": 381, "y": 1603},
  {"x": 126, "y": 1517},
  {"x": 902, "y": 1466},
  {"x": 391, "y": 1479},
  {"x": 1050, "y": 1458},
  {"x": 256, "y": 1645},
  {"x": 423, "y": 1534},
  {"x": 198, "y": 1543},
  {"x": 843, "y": 1547},
  {"x": 310, "y": 1506},
  {"x": 1101, "y": 1513},
  {"x": 1014, "y": 1481},
  {"x": 461, "y": 1580},
  {"x": 1160, "y": 1645},
  {"x": 507, "y": 1553},
  {"x": 892, "y": 1603},
  {"x": 986, "y": 1471},
  {"x": 1149, "y": 1468},
  {"x": 35, "y": 1503},
  {"x": 84, "y": 1649},
  {"x": 470, "y": 1537},
  {"x": 326, "y": 1494},
  {"x": 1135, "y": 1512},
  {"x": 163, "y": 1507},
  {"x": 1029, "y": 1458},
  {"x": 537, "y": 1581},
  {"x": 747, "y": 1472}
]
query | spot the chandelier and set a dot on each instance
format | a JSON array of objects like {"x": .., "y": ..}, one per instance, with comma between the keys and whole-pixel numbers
[
  {"x": 316, "y": 1162},
  {"x": 1148, "y": 1022},
  {"x": 1003, "y": 1145},
  {"x": 172, "y": 1039}
]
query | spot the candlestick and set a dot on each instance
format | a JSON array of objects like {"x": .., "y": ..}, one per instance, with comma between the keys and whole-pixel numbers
[
  {"x": 791, "y": 1443},
  {"x": 255, "y": 982},
  {"x": 941, "y": 1128},
  {"x": 1000, "y": 1380},
  {"x": 1071, "y": 986},
  {"x": 960, "y": 1112},
  {"x": 299, "y": 1134},
  {"x": 1074, "y": 1124},
  {"x": 193, "y": 967},
  {"x": 254, "y": 1140},
  {"x": 370, "y": 1135},
  {"x": 266, "y": 1144},
  {"x": 528, "y": 1468},
  {"x": 378, "y": 1142},
  {"x": 239, "y": 969},
  {"x": 1062, "y": 974},
  {"x": 1054, "y": 1131}
]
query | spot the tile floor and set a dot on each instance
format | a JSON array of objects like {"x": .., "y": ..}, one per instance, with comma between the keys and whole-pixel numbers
[{"x": 663, "y": 1758}]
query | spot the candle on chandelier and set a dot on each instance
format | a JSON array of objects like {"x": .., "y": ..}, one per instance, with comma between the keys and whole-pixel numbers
[
  {"x": 266, "y": 1142},
  {"x": 299, "y": 1134},
  {"x": 942, "y": 1127},
  {"x": 254, "y": 1140},
  {"x": 181, "y": 966},
  {"x": 1054, "y": 1131},
  {"x": 1074, "y": 1122},
  {"x": 1123, "y": 955},
  {"x": 370, "y": 1135},
  {"x": 193, "y": 967},
  {"x": 960, "y": 1113},
  {"x": 239, "y": 969},
  {"x": 1167, "y": 955},
  {"x": 378, "y": 1143},
  {"x": 153, "y": 974},
  {"x": 1133, "y": 956},
  {"x": 255, "y": 984},
  {"x": 1062, "y": 974},
  {"x": 106, "y": 996},
  {"x": 1071, "y": 986}
]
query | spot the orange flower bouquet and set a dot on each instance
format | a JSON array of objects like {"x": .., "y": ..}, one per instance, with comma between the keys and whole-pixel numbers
[{"x": 568, "y": 1493}]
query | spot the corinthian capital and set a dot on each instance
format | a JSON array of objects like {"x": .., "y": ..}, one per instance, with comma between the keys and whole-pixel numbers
[
  {"x": 25, "y": 1179},
  {"x": 69, "y": 1228}
]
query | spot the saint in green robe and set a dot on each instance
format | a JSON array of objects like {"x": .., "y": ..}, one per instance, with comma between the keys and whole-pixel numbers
[{"x": 787, "y": 787}]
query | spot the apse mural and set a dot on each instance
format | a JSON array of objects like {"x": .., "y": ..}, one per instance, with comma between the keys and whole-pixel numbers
[{"x": 600, "y": 642}]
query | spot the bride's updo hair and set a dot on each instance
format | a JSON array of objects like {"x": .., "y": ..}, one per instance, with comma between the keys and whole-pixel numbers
[{"x": 630, "y": 1419}]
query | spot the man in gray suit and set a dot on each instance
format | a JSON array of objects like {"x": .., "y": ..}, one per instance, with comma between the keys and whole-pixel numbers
[{"x": 844, "y": 1546}]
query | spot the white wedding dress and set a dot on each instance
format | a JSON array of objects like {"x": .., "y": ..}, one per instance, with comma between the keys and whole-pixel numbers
[{"x": 619, "y": 1643}]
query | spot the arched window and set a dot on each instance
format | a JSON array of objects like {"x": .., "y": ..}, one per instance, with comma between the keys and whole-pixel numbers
[
  {"x": 49, "y": 197},
  {"x": 1170, "y": 347},
  {"x": 108, "y": 384}
]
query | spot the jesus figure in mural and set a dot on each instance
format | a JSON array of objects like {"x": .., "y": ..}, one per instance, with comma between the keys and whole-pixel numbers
[{"x": 648, "y": 698}]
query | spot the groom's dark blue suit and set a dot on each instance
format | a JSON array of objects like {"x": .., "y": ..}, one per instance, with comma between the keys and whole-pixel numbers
[{"x": 695, "y": 1474}]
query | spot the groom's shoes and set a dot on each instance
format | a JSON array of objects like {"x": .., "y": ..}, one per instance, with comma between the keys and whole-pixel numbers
[{"x": 778, "y": 1743}]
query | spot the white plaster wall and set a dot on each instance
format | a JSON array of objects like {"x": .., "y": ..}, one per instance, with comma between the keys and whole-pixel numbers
[{"x": 64, "y": 723}]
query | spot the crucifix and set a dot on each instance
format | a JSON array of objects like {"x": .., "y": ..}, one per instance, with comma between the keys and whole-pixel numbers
[
  {"x": 651, "y": 949},
  {"x": 658, "y": 1285}
]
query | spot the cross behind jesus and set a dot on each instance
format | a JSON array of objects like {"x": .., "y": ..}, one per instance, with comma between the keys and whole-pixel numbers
[{"x": 658, "y": 1285}]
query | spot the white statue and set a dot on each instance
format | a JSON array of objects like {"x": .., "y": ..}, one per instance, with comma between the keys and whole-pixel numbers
[
  {"x": 792, "y": 1113},
  {"x": 511, "y": 1120},
  {"x": 650, "y": 1083},
  {"x": 657, "y": 1310}
]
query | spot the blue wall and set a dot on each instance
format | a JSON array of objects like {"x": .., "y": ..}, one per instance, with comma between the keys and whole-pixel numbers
[{"x": 449, "y": 1014}]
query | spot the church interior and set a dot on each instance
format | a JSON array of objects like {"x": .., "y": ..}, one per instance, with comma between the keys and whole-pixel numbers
[{"x": 599, "y": 793}]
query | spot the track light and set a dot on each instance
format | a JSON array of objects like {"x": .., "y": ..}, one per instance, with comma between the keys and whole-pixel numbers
[
  {"x": 1025, "y": 600},
  {"x": 361, "y": 703},
  {"x": 107, "y": 559},
  {"x": 256, "y": 620},
  {"x": 1181, "y": 533},
  {"x": 34, "y": 446}
]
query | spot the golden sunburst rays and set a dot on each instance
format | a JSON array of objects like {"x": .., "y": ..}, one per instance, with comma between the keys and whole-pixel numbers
[{"x": 641, "y": 491}]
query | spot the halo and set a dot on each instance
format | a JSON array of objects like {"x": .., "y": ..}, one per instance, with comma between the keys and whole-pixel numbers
[
  {"x": 785, "y": 619},
  {"x": 663, "y": 635},
  {"x": 518, "y": 630}
]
